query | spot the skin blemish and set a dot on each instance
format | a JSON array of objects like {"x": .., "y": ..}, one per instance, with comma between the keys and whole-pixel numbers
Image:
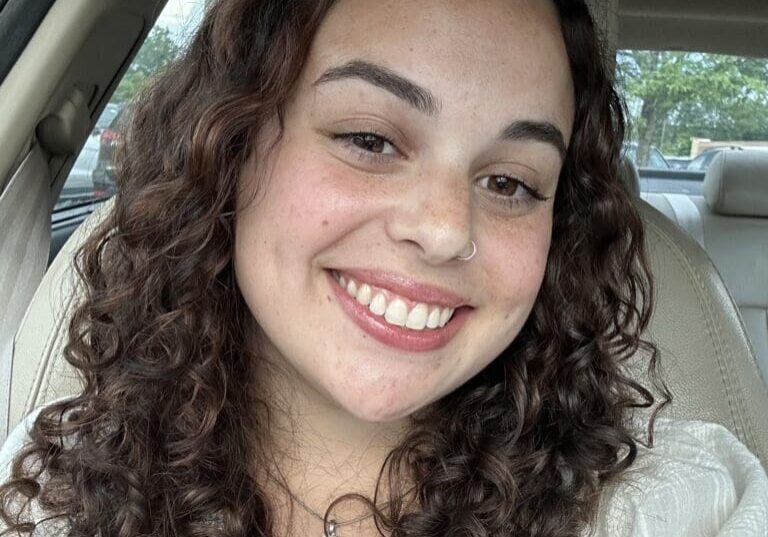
[{"x": 325, "y": 223}]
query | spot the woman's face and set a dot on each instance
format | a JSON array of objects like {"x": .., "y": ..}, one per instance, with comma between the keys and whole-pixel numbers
[{"x": 415, "y": 128}]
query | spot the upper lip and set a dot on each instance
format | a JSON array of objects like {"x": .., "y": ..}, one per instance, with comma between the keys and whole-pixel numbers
[{"x": 406, "y": 287}]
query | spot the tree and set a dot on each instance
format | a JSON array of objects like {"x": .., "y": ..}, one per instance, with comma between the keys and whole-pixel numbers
[
  {"x": 157, "y": 51},
  {"x": 674, "y": 96}
]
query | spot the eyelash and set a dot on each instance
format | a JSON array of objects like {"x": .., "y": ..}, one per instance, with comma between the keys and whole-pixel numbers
[
  {"x": 366, "y": 156},
  {"x": 532, "y": 194},
  {"x": 377, "y": 158}
]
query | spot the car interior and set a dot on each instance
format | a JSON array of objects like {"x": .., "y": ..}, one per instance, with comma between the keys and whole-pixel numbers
[{"x": 66, "y": 58}]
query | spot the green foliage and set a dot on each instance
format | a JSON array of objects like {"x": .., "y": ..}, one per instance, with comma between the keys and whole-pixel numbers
[
  {"x": 156, "y": 52},
  {"x": 675, "y": 96}
]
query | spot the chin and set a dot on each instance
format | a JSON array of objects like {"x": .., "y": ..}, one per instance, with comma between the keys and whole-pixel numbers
[{"x": 380, "y": 409}]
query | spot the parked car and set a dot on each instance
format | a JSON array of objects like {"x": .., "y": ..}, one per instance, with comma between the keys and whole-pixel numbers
[
  {"x": 110, "y": 138},
  {"x": 107, "y": 117},
  {"x": 655, "y": 157},
  {"x": 80, "y": 186},
  {"x": 703, "y": 160},
  {"x": 678, "y": 163}
]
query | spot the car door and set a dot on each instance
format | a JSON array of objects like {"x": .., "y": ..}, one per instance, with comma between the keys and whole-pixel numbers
[{"x": 60, "y": 62}]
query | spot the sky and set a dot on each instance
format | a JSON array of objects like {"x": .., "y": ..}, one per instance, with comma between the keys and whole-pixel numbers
[{"x": 181, "y": 17}]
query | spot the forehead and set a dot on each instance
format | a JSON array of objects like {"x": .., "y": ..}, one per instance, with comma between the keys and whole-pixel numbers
[{"x": 506, "y": 56}]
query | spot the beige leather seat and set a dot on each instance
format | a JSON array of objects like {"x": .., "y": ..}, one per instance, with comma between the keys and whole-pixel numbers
[
  {"x": 731, "y": 223},
  {"x": 707, "y": 362}
]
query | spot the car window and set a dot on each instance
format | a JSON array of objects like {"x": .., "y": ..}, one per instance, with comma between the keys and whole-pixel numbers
[
  {"x": 92, "y": 176},
  {"x": 656, "y": 160},
  {"x": 108, "y": 115},
  {"x": 701, "y": 163},
  {"x": 686, "y": 107}
]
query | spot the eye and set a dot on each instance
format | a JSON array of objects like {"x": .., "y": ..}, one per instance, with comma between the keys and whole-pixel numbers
[
  {"x": 509, "y": 187},
  {"x": 368, "y": 146},
  {"x": 502, "y": 184},
  {"x": 374, "y": 143},
  {"x": 510, "y": 190}
]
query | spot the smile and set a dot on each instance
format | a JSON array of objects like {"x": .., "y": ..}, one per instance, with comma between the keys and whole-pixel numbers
[
  {"x": 396, "y": 320},
  {"x": 396, "y": 310}
]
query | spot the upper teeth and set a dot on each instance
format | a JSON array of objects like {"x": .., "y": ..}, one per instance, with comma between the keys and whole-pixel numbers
[{"x": 393, "y": 308}]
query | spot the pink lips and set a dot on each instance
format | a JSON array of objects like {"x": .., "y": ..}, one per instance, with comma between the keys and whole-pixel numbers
[
  {"x": 406, "y": 288},
  {"x": 395, "y": 336}
]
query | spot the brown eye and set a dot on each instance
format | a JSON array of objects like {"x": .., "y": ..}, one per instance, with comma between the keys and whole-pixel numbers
[
  {"x": 368, "y": 146},
  {"x": 503, "y": 185},
  {"x": 370, "y": 142},
  {"x": 510, "y": 192}
]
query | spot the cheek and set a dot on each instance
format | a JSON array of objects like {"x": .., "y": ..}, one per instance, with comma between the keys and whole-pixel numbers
[
  {"x": 518, "y": 259},
  {"x": 306, "y": 204}
]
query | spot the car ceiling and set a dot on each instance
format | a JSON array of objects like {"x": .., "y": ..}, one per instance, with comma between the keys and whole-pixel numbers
[{"x": 738, "y": 27}]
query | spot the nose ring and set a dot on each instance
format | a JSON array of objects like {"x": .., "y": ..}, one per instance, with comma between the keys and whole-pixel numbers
[{"x": 471, "y": 255}]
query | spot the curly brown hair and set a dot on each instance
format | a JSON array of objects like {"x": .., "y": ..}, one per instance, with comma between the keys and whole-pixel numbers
[{"x": 158, "y": 443}]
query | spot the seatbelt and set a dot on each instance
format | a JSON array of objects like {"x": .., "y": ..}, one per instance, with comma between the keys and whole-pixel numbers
[
  {"x": 687, "y": 215},
  {"x": 25, "y": 238}
]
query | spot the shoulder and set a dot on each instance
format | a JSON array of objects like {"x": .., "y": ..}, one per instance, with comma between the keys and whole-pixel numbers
[
  {"x": 16, "y": 441},
  {"x": 19, "y": 437},
  {"x": 698, "y": 479}
]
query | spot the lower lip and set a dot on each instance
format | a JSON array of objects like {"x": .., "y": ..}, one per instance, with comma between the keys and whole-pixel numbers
[{"x": 395, "y": 336}]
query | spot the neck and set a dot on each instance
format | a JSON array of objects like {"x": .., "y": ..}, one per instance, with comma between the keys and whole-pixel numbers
[{"x": 318, "y": 450}]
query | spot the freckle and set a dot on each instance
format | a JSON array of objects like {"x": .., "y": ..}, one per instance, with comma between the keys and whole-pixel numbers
[
  {"x": 325, "y": 223},
  {"x": 328, "y": 297}
]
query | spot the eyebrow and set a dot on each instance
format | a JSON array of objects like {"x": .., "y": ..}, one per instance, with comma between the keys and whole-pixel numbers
[
  {"x": 425, "y": 102},
  {"x": 536, "y": 131},
  {"x": 417, "y": 96}
]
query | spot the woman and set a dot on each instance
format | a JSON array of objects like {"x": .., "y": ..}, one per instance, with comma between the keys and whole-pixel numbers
[{"x": 369, "y": 271}]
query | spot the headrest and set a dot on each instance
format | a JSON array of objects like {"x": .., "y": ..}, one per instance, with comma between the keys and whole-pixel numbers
[
  {"x": 736, "y": 183},
  {"x": 629, "y": 175}
]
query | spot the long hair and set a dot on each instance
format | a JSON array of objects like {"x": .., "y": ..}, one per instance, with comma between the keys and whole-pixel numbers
[{"x": 158, "y": 442}]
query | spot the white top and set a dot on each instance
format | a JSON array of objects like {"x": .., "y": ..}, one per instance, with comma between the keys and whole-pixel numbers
[{"x": 698, "y": 481}]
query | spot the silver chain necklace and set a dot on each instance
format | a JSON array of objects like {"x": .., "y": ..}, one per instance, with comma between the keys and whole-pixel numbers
[{"x": 330, "y": 527}]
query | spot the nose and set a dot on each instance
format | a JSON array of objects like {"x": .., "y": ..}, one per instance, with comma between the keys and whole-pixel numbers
[{"x": 434, "y": 215}]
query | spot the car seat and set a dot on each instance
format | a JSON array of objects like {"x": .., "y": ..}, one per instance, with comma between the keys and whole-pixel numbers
[
  {"x": 706, "y": 360},
  {"x": 730, "y": 221}
]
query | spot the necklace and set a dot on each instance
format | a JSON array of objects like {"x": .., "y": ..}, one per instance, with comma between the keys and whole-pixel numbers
[{"x": 332, "y": 525}]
